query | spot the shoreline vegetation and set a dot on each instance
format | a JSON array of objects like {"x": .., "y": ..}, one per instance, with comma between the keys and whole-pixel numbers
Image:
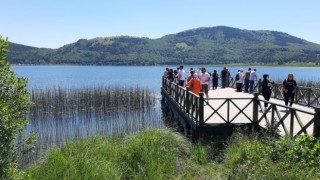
[
  {"x": 164, "y": 154},
  {"x": 161, "y": 153},
  {"x": 60, "y": 114},
  {"x": 293, "y": 64}
]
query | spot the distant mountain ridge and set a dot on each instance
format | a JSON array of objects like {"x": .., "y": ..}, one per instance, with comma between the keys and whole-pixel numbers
[{"x": 209, "y": 45}]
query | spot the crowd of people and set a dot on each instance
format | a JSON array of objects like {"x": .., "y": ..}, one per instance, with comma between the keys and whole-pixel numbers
[{"x": 201, "y": 80}]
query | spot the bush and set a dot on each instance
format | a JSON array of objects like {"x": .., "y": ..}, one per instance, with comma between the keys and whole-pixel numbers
[
  {"x": 14, "y": 103},
  {"x": 285, "y": 158}
]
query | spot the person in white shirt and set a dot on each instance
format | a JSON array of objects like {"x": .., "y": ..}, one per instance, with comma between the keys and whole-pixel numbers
[
  {"x": 252, "y": 78},
  {"x": 205, "y": 79},
  {"x": 199, "y": 71},
  {"x": 181, "y": 76},
  {"x": 240, "y": 80}
]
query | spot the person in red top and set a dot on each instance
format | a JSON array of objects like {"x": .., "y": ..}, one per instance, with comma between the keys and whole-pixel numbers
[{"x": 195, "y": 84}]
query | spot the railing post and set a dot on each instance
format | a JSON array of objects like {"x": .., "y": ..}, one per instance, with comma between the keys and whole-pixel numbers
[
  {"x": 292, "y": 112},
  {"x": 259, "y": 86},
  {"x": 275, "y": 87},
  {"x": 255, "y": 114},
  {"x": 187, "y": 100},
  {"x": 228, "y": 111},
  {"x": 201, "y": 109},
  {"x": 273, "y": 108},
  {"x": 309, "y": 97},
  {"x": 316, "y": 124},
  {"x": 163, "y": 81},
  {"x": 176, "y": 93},
  {"x": 296, "y": 95}
]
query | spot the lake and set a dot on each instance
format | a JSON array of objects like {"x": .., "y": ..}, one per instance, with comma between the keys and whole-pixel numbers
[
  {"x": 146, "y": 76},
  {"x": 56, "y": 128}
]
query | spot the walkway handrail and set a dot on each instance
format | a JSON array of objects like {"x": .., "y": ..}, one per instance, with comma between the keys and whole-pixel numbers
[
  {"x": 306, "y": 96},
  {"x": 185, "y": 100},
  {"x": 193, "y": 106}
]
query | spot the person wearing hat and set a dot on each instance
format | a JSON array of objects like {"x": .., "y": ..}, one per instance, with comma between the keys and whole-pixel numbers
[{"x": 195, "y": 84}]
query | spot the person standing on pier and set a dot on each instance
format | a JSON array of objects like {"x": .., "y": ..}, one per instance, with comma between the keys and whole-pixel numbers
[
  {"x": 239, "y": 80},
  {"x": 205, "y": 80},
  {"x": 228, "y": 77},
  {"x": 181, "y": 76},
  {"x": 215, "y": 78},
  {"x": 223, "y": 75},
  {"x": 266, "y": 90},
  {"x": 171, "y": 75},
  {"x": 175, "y": 76},
  {"x": 253, "y": 77},
  {"x": 289, "y": 90},
  {"x": 194, "y": 84},
  {"x": 246, "y": 80},
  {"x": 191, "y": 75}
]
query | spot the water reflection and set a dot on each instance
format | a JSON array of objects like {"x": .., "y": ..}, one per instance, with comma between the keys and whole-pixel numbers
[{"x": 56, "y": 121}]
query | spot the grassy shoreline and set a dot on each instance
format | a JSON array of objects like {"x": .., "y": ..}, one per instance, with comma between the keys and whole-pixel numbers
[{"x": 164, "y": 154}]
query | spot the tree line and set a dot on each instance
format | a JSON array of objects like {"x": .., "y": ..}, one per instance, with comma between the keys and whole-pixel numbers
[{"x": 215, "y": 45}]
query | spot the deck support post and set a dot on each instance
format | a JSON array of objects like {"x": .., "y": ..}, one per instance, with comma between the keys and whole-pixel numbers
[
  {"x": 176, "y": 93},
  {"x": 201, "y": 109},
  {"x": 187, "y": 100},
  {"x": 255, "y": 115},
  {"x": 316, "y": 125},
  {"x": 259, "y": 86},
  {"x": 163, "y": 83},
  {"x": 309, "y": 97}
]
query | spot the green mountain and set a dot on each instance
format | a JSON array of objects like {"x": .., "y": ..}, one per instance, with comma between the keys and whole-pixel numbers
[{"x": 212, "y": 45}]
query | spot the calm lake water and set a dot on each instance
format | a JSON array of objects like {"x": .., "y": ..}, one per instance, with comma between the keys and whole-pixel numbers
[
  {"x": 55, "y": 130},
  {"x": 146, "y": 76}
]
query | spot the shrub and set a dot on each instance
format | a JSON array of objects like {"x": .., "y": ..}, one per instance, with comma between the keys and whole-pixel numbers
[
  {"x": 14, "y": 103},
  {"x": 285, "y": 158}
]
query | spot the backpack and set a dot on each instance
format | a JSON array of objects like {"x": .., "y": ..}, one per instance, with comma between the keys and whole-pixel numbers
[{"x": 237, "y": 77}]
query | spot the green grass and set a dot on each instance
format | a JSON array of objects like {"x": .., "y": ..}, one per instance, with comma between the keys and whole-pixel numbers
[
  {"x": 153, "y": 154},
  {"x": 163, "y": 154},
  {"x": 285, "y": 158}
]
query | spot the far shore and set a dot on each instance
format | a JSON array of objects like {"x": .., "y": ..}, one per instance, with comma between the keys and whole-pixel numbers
[{"x": 294, "y": 64}]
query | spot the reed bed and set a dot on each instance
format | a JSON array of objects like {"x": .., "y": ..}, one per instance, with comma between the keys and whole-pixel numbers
[
  {"x": 98, "y": 99},
  {"x": 315, "y": 83},
  {"x": 63, "y": 114}
]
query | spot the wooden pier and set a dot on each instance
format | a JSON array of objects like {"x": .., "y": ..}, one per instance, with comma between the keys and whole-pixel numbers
[{"x": 226, "y": 110}]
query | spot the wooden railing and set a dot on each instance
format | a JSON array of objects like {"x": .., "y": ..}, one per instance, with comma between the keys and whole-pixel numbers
[
  {"x": 186, "y": 100},
  {"x": 228, "y": 102},
  {"x": 305, "y": 96},
  {"x": 276, "y": 121},
  {"x": 193, "y": 106}
]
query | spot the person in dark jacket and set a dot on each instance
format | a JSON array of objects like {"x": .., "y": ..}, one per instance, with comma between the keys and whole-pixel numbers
[
  {"x": 171, "y": 75},
  {"x": 266, "y": 89},
  {"x": 223, "y": 76},
  {"x": 215, "y": 78},
  {"x": 289, "y": 90}
]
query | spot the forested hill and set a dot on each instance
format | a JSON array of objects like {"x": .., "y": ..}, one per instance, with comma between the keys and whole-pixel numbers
[{"x": 213, "y": 45}]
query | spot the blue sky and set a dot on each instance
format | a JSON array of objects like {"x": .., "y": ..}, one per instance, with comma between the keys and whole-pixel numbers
[{"x": 54, "y": 23}]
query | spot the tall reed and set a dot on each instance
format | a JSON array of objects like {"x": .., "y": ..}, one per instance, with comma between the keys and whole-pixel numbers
[
  {"x": 98, "y": 99},
  {"x": 62, "y": 114}
]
